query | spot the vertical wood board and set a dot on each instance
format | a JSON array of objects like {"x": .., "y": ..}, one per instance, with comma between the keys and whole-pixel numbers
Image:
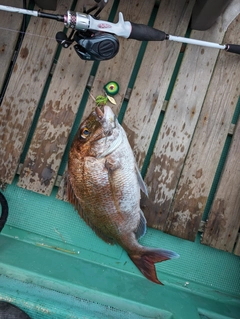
[
  {"x": 10, "y": 24},
  {"x": 120, "y": 68},
  {"x": 224, "y": 219},
  {"x": 178, "y": 126},
  {"x": 25, "y": 88},
  {"x": 154, "y": 76},
  {"x": 56, "y": 119},
  {"x": 207, "y": 144}
]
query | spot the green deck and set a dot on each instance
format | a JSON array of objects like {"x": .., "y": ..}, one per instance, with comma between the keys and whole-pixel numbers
[{"x": 46, "y": 245}]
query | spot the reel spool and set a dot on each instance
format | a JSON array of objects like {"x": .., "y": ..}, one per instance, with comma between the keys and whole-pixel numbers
[{"x": 98, "y": 46}]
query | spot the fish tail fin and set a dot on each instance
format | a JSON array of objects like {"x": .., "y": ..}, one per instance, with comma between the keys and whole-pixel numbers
[{"x": 145, "y": 261}]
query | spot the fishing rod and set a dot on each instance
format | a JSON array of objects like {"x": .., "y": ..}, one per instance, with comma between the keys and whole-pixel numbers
[{"x": 96, "y": 39}]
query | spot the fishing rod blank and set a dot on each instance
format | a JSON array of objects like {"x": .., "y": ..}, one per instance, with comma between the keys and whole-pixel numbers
[
  {"x": 33, "y": 13},
  {"x": 126, "y": 29}
]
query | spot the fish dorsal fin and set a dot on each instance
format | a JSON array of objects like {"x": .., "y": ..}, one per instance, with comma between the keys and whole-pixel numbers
[
  {"x": 73, "y": 199},
  {"x": 142, "y": 226},
  {"x": 141, "y": 181}
]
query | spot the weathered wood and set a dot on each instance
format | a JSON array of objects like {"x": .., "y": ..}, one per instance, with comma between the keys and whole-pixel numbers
[
  {"x": 208, "y": 141},
  {"x": 237, "y": 247},
  {"x": 178, "y": 126},
  {"x": 154, "y": 75},
  {"x": 10, "y": 24},
  {"x": 25, "y": 88},
  {"x": 224, "y": 219},
  {"x": 119, "y": 68},
  {"x": 56, "y": 119}
]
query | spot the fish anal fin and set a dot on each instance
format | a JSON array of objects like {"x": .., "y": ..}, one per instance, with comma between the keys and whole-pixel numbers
[
  {"x": 72, "y": 198},
  {"x": 98, "y": 232},
  {"x": 145, "y": 261},
  {"x": 142, "y": 226}
]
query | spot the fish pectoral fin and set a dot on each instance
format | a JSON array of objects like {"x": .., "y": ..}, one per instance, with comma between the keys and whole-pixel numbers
[
  {"x": 141, "y": 181},
  {"x": 112, "y": 164},
  {"x": 142, "y": 226}
]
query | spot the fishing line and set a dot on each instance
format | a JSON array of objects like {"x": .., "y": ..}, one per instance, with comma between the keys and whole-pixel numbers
[
  {"x": 55, "y": 61},
  {"x": 28, "y": 33}
]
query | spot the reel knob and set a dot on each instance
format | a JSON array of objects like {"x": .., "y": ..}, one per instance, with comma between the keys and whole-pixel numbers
[{"x": 62, "y": 39}]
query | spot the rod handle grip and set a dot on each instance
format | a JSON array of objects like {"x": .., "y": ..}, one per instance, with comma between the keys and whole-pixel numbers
[
  {"x": 234, "y": 48},
  {"x": 143, "y": 32}
]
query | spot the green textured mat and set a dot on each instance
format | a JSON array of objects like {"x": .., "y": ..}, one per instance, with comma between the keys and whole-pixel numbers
[{"x": 46, "y": 243}]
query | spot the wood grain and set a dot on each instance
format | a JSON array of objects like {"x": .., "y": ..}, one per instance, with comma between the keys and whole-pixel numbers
[
  {"x": 207, "y": 143},
  {"x": 56, "y": 119},
  {"x": 8, "y": 37},
  {"x": 25, "y": 89},
  {"x": 120, "y": 68},
  {"x": 224, "y": 219},
  {"x": 154, "y": 76},
  {"x": 179, "y": 124}
]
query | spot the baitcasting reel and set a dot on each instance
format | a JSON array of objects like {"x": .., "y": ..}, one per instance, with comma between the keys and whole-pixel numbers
[{"x": 91, "y": 45}]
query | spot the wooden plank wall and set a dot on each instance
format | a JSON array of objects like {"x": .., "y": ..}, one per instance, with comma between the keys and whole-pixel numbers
[
  {"x": 150, "y": 88},
  {"x": 192, "y": 136},
  {"x": 24, "y": 90},
  {"x": 196, "y": 119},
  {"x": 57, "y": 116},
  {"x": 224, "y": 222},
  {"x": 8, "y": 38},
  {"x": 207, "y": 143}
]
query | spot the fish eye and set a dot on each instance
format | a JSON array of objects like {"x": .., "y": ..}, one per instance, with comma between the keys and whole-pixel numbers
[{"x": 85, "y": 132}]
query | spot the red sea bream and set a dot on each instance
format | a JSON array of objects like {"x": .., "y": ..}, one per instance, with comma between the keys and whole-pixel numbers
[{"x": 104, "y": 182}]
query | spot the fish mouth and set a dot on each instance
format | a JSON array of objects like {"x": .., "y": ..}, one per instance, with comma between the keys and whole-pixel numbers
[
  {"x": 107, "y": 118},
  {"x": 109, "y": 122},
  {"x": 106, "y": 115},
  {"x": 99, "y": 113}
]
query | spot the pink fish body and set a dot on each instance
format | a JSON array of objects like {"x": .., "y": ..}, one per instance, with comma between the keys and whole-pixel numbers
[{"x": 104, "y": 183}]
